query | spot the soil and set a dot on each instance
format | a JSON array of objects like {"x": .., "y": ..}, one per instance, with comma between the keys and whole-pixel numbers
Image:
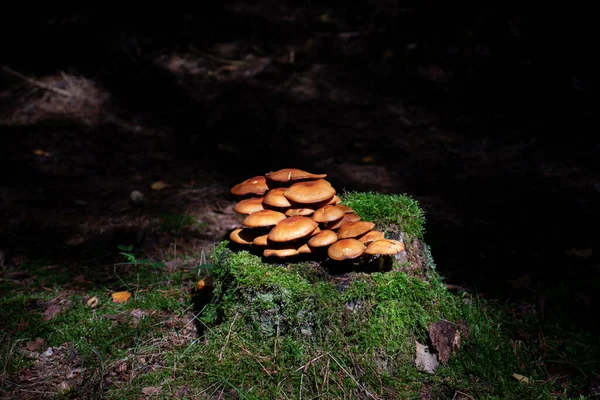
[{"x": 482, "y": 117}]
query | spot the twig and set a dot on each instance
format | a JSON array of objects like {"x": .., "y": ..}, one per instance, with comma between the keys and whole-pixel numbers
[
  {"x": 227, "y": 338},
  {"x": 354, "y": 379},
  {"x": 305, "y": 366},
  {"x": 36, "y": 82}
]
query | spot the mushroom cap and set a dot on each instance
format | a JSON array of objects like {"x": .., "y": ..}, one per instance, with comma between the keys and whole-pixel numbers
[
  {"x": 354, "y": 228},
  {"x": 284, "y": 252},
  {"x": 385, "y": 247},
  {"x": 263, "y": 218},
  {"x": 335, "y": 200},
  {"x": 292, "y": 174},
  {"x": 304, "y": 249},
  {"x": 349, "y": 217},
  {"x": 275, "y": 198},
  {"x": 370, "y": 236},
  {"x": 345, "y": 249},
  {"x": 345, "y": 208},
  {"x": 249, "y": 205},
  {"x": 261, "y": 240},
  {"x": 307, "y": 192},
  {"x": 290, "y": 212},
  {"x": 255, "y": 185},
  {"x": 292, "y": 228},
  {"x": 243, "y": 235},
  {"x": 328, "y": 213},
  {"x": 324, "y": 238}
]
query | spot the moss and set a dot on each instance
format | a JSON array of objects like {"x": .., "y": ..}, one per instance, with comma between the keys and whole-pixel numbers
[{"x": 393, "y": 213}]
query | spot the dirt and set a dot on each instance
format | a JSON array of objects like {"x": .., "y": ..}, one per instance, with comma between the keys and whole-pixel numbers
[{"x": 470, "y": 115}]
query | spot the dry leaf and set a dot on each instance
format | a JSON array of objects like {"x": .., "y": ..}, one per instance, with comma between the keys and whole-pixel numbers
[
  {"x": 121, "y": 297},
  {"x": 52, "y": 311},
  {"x": 93, "y": 302},
  {"x": 424, "y": 359},
  {"x": 149, "y": 390},
  {"x": 159, "y": 185},
  {"x": 521, "y": 378}
]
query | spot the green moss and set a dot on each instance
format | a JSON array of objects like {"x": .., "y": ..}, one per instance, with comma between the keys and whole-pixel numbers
[{"x": 392, "y": 212}]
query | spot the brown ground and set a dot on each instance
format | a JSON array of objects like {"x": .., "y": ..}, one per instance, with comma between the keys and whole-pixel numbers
[{"x": 471, "y": 115}]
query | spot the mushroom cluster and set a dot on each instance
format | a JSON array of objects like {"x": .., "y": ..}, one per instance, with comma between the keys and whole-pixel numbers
[{"x": 291, "y": 212}]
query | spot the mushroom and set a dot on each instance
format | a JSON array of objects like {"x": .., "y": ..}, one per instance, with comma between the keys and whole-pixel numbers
[
  {"x": 309, "y": 192},
  {"x": 249, "y": 205},
  {"x": 345, "y": 249},
  {"x": 354, "y": 229},
  {"x": 328, "y": 213},
  {"x": 255, "y": 185},
  {"x": 243, "y": 235},
  {"x": 323, "y": 238},
  {"x": 292, "y": 228},
  {"x": 275, "y": 198},
  {"x": 384, "y": 247},
  {"x": 263, "y": 218},
  {"x": 370, "y": 236},
  {"x": 292, "y": 174}
]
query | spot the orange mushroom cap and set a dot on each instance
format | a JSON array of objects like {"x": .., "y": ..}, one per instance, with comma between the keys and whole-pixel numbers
[
  {"x": 323, "y": 238},
  {"x": 328, "y": 213},
  {"x": 308, "y": 192},
  {"x": 370, "y": 236},
  {"x": 263, "y": 218},
  {"x": 292, "y": 228},
  {"x": 345, "y": 249},
  {"x": 255, "y": 185},
  {"x": 355, "y": 228},
  {"x": 249, "y": 206},
  {"x": 385, "y": 247},
  {"x": 292, "y": 174},
  {"x": 275, "y": 198}
]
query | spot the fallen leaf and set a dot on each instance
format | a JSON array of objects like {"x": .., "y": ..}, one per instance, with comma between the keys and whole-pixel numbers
[
  {"x": 425, "y": 360},
  {"x": 521, "y": 378},
  {"x": 159, "y": 185},
  {"x": 52, "y": 311},
  {"x": 148, "y": 390},
  {"x": 93, "y": 302},
  {"x": 121, "y": 297}
]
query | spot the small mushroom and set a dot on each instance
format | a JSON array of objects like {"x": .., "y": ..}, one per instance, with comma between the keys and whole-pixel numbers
[
  {"x": 292, "y": 228},
  {"x": 307, "y": 192},
  {"x": 263, "y": 218},
  {"x": 327, "y": 214},
  {"x": 370, "y": 236},
  {"x": 243, "y": 235},
  {"x": 345, "y": 249},
  {"x": 255, "y": 185},
  {"x": 290, "y": 212},
  {"x": 345, "y": 208},
  {"x": 284, "y": 252},
  {"x": 384, "y": 247},
  {"x": 275, "y": 198},
  {"x": 354, "y": 229},
  {"x": 323, "y": 238},
  {"x": 249, "y": 205},
  {"x": 349, "y": 217},
  {"x": 292, "y": 174}
]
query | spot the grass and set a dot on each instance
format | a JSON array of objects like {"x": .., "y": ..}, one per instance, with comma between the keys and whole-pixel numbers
[{"x": 275, "y": 330}]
